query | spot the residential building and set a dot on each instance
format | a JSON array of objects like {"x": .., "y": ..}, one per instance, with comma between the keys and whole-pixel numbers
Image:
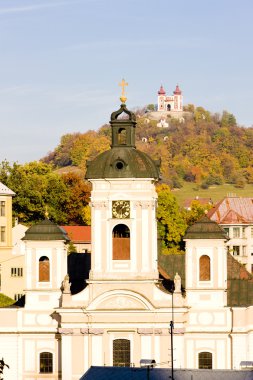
[{"x": 235, "y": 216}]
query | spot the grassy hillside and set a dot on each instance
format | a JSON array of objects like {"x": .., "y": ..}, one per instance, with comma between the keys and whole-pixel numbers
[{"x": 216, "y": 193}]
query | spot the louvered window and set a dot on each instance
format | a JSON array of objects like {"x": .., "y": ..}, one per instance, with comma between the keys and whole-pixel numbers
[{"x": 121, "y": 353}]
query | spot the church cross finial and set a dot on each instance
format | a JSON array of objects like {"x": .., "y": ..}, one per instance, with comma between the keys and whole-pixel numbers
[{"x": 123, "y": 84}]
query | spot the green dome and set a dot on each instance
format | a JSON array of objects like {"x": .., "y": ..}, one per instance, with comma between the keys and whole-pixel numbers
[
  {"x": 123, "y": 160},
  {"x": 45, "y": 230}
]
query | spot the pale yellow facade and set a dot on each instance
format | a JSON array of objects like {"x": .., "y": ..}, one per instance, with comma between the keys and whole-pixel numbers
[{"x": 11, "y": 249}]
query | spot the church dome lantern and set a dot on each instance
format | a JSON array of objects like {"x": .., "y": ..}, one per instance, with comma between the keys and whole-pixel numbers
[{"x": 123, "y": 160}]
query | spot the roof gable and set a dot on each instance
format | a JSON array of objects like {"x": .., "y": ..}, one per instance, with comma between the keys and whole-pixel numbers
[
  {"x": 232, "y": 217},
  {"x": 4, "y": 190},
  {"x": 232, "y": 210}
]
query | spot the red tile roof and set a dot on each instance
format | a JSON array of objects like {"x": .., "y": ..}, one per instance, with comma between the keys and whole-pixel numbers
[
  {"x": 202, "y": 201},
  {"x": 233, "y": 210},
  {"x": 78, "y": 233}
]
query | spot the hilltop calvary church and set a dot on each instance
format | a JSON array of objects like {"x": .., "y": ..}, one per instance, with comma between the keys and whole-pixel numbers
[{"x": 123, "y": 314}]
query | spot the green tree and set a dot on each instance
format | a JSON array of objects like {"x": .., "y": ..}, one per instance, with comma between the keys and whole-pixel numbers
[
  {"x": 38, "y": 188},
  {"x": 171, "y": 223},
  {"x": 227, "y": 119},
  {"x": 151, "y": 107},
  {"x": 197, "y": 210}
]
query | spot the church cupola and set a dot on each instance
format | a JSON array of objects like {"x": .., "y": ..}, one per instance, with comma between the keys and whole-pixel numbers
[
  {"x": 123, "y": 160},
  {"x": 123, "y": 123},
  {"x": 177, "y": 91},
  {"x": 161, "y": 91},
  {"x": 45, "y": 263},
  {"x": 206, "y": 264}
]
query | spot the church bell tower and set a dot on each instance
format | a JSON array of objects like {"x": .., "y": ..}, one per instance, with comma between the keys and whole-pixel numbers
[{"x": 123, "y": 206}]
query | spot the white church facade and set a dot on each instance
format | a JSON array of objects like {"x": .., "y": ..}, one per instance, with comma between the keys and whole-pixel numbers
[
  {"x": 170, "y": 103},
  {"x": 124, "y": 313}
]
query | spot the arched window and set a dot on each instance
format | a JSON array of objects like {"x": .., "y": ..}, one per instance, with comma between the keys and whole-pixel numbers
[
  {"x": 121, "y": 242},
  {"x": 122, "y": 136},
  {"x": 121, "y": 353},
  {"x": 204, "y": 268},
  {"x": 44, "y": 269},
  {"x": 46, "y": 362},
  {"x": 205, "y": 360}
]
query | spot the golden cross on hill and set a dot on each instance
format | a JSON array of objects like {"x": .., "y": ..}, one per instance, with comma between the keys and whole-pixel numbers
[{"x": 123, "y": 84}]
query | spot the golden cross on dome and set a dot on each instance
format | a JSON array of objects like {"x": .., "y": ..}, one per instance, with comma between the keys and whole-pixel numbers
[{"x": 123, "y": 84}]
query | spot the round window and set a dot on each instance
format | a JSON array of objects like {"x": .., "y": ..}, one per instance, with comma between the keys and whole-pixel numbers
[{"x": 119, "y": 165}]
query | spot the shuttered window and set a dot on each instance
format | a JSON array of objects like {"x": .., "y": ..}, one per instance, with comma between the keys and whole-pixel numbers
[
  {"x": 121, "y": 353},
  {"x": 44, "y": 269},
  {"x": 204, "y": 268},
  {"x": 205, "y": 360},
  {"x": 121, "y": 242}
]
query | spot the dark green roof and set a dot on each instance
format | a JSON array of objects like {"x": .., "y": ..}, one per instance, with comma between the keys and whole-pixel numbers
[
  {"x": 205, "y": 229},
  {"x": 45, "y": 230},
  {"x": 239, "y": 280},
  {"x": 123, "y": 160},
  {"x": 126, "y": 162}
]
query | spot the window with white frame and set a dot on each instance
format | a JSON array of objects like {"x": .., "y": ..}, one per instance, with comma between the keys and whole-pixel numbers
[
  {"x": 236, "y": 250},
  {"x": 243, "y": 232},
  {"x": 16, "y": 272},
  {"x": 121, "y": 353},
  {"x": 244, "y": 250},
  {"x": 205, "y": 360},
  {"x": 44, "y": 269},
  {"x": 2, "y": 234},
  {"x": 46, "y": 362},
  {"x": 236, "y": 232},
  {"x": 251, "y": 232},
  {"x": 226, "y": 229},
  {"x": 204, "y": 268},
  {"x": 2, "y": 208}
]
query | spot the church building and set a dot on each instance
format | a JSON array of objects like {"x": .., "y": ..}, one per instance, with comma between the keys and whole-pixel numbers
[
  {"x": 170, "y": 103},
  {"x": 125, "y": 313}
]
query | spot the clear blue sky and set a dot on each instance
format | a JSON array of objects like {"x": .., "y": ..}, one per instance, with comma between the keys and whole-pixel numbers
[{"x": 62, "y": 60}]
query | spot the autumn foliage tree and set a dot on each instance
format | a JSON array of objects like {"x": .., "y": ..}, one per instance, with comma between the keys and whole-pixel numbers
[
  {"x": 206, "y": 148},
  {"x": 39, "y": 188}
]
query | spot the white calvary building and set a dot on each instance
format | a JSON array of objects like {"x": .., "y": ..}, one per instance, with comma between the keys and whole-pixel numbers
[
  {"x": 170, "y": 103},
  {"x": 123, "y": 314}
]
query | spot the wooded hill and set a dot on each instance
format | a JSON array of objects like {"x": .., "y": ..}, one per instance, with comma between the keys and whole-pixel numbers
[{"x": 206, "y": 149}]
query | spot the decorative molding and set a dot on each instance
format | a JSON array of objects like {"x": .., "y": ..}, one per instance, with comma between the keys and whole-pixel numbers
[
  {"x": 147, "y": 331},
  {"x": 144, "y": 204},
  {"x": 98, "y": 205},
  {"x": 65, "y": 331},
  {"x": 92, "y": 331}
]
